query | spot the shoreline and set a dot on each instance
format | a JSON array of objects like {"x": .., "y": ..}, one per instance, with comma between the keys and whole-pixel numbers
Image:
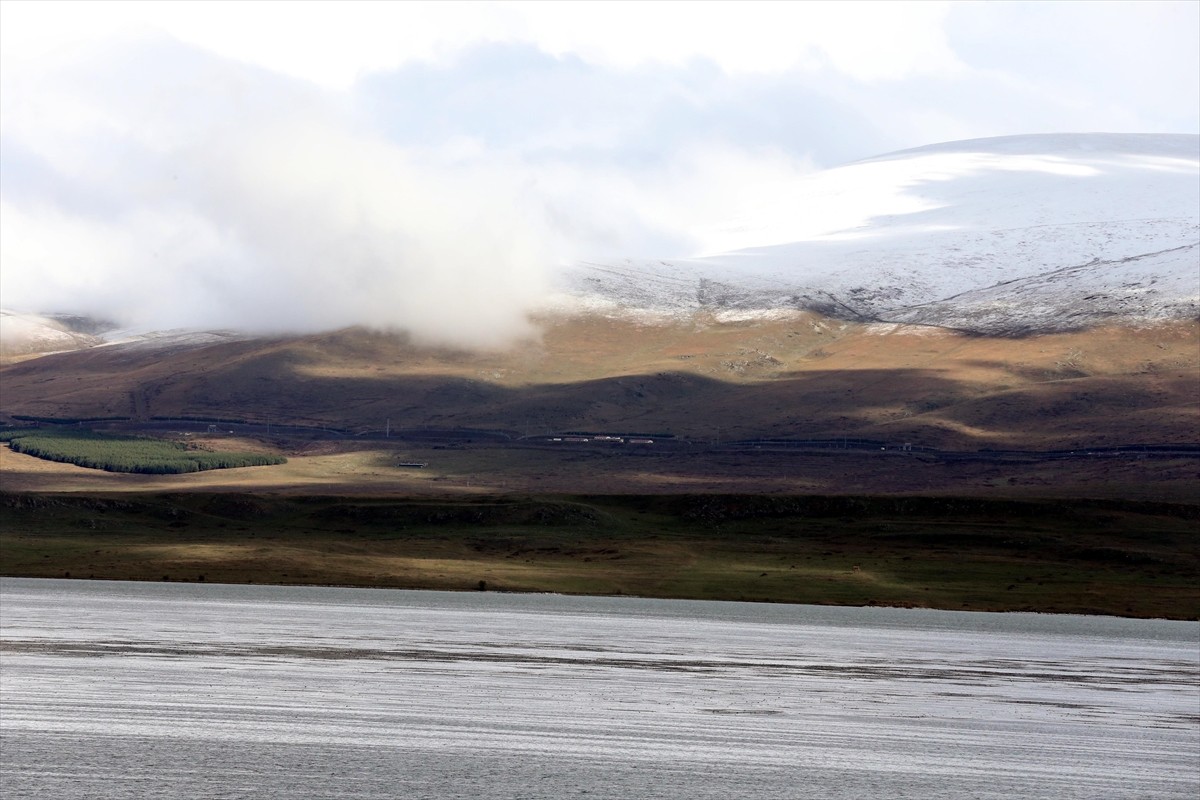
[{"x": 533, "y": 593}]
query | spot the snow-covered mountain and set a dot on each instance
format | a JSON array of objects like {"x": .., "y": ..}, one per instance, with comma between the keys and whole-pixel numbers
[
  {"x": 26, "y": 334},
  {"x": 1008, "y": 235}
]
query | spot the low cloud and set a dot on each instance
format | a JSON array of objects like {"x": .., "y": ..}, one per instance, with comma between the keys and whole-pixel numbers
[
  {"x": 257, "y": 206},
  {"x": 301, "y": 227},
  {"x": 205, "y": 193}
]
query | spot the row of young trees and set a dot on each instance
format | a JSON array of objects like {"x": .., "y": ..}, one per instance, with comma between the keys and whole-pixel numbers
[
  {"x": 66, "y": 420},
  {"x": 127, "y": 453}
]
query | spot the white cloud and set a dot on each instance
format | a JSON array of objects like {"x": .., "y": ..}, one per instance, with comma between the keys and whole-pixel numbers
[
  {"x": 866, "y": 40},
  {"x": 261, "y": 206},
  {"x": 333, "y": 44},
  {"x": 283, "y": 222},
  {"x": 1085, "y": 66}
]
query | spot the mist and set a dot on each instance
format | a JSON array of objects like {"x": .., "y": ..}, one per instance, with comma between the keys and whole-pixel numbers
[
  {"x": 204, "y": 193},
  {"x": 235, "y": 199}
]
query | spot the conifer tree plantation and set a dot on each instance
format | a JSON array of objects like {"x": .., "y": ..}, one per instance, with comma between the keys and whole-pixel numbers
[{"x": 116, "y": 453}]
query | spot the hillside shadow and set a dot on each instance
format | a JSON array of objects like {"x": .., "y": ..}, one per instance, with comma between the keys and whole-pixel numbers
[{"x": 279, "y": 385}]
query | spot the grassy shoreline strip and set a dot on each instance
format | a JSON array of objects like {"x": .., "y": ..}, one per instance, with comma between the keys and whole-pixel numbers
[{"x": 1124, "y": 559}]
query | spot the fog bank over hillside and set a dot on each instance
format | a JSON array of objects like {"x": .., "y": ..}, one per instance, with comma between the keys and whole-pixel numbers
[
  {"x": 256, "y": 205},
  {"x": 210, "y": 194}
]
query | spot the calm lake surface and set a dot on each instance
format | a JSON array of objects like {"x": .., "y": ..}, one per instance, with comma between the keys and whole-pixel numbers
[{"x": 138, "y": 690}]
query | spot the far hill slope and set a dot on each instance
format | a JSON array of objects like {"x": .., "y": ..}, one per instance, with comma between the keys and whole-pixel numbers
[{"x": 795, "y": 375}]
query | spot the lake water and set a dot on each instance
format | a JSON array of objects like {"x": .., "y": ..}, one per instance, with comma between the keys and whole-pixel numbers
[{"x": 137, "y": 690}]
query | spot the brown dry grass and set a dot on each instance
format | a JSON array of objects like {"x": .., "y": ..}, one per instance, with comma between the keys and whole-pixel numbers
[
  {"x": 799, "y": 376},
  {"x": 1081, "y": 557}
]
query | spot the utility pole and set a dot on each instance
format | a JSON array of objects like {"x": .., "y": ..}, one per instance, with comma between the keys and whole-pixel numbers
[{"x": 387, "y": 431}]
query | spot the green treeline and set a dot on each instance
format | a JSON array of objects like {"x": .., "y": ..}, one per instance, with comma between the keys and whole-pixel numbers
[
  {"x": 127, "y": 453},
  {"x": 186, "y": 418},
  {"x": 67, "y": 420}
]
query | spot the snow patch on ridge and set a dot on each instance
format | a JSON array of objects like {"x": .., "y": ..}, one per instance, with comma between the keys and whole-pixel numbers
[{"x": 28, "y": 334}]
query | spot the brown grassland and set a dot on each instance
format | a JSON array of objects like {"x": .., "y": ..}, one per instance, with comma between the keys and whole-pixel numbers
[
  {"x": 796, "y": 376},
  {"x": 703, "y": 519}
]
